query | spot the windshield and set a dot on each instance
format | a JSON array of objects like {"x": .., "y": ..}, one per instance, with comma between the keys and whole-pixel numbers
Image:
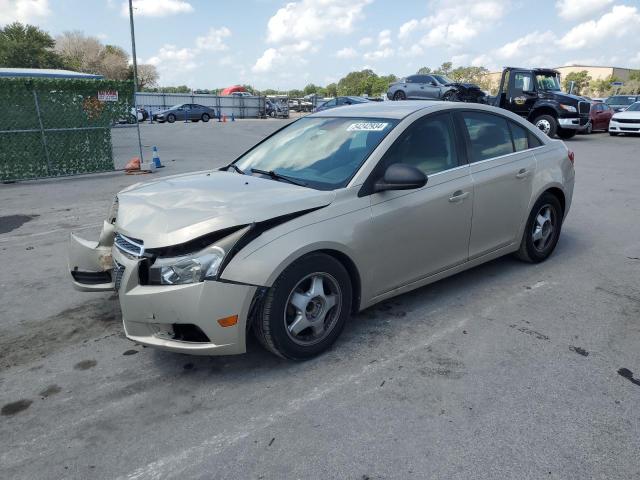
[
  {"x": 322, "y": 152},
  {"x": 175, "y": 107},
  {"x": 634, "y": 108},
  {"x": 548, "y": 81},
  {"x": 620, "y": 100},
  {"x": 442, "y": 79}
]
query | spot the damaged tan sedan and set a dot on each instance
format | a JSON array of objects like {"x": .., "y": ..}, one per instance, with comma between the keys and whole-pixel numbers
[{"x": 329, "y": 215}]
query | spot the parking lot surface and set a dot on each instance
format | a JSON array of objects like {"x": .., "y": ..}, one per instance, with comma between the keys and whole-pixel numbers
[{"x": 508, "y": 370}]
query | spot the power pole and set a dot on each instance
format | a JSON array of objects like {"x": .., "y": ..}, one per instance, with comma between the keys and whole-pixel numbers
[{"x": 135, "y": 76}]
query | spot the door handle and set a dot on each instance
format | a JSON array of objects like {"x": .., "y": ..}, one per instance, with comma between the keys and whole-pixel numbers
[
  {"x": 523, "y": 173},
  {"x": 458, "y": 196}
]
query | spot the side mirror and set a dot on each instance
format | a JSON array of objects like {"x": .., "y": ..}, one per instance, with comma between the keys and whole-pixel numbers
[
  {"x": 400, "y": 176},
  {"x": 432, "y": 83}
]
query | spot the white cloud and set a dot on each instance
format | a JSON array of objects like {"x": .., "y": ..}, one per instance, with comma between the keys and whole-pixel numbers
[
  {"x": 365, "y": 41},
  {"x": 156, "y": 8},
  {"x": 379, "y": 54},
  {"x": 414, "y": 50},
  {"x": 577, "y": 9},
  {"x": 346, "y": 52},
  {"x": 266, "y": 62},
  {"x": 384, "y": 38},
  {"x": 523, "y": 46},
  {"x": 214, "y": 39},
  {"x": 619, "y": 22},
  {"x": 23, "y": 11},
  {"x": 314, "y": 19},
  {"x": 170, "y": 57},
  {"x": 407, "y": 27}
]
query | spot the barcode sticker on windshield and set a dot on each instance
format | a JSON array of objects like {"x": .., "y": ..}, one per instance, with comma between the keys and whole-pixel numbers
[{"x": 367, "y": 127}]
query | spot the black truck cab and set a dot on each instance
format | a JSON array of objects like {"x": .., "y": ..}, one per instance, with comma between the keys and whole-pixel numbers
[{"x": 536, "y": 95}]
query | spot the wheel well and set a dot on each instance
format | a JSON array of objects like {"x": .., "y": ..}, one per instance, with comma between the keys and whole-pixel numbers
[
  {"x": 354, "y": 275},
  {"x": 559, "y": 194},
  {"x": 542, "y": 111}
]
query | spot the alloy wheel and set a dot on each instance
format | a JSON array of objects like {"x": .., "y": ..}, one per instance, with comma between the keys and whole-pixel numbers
[
  {"x": 313, "y": 308},
  {"x": 543, "y": 227}
]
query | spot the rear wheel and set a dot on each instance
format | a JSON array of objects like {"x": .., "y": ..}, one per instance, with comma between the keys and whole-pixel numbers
[
  {"x": 306, "y": 309},
  {"x": 542, "y": 230},
  {"x": 566, "y": 134},
  {"x": 399, "y": 95},
  {"x": 547, "y": 124}
]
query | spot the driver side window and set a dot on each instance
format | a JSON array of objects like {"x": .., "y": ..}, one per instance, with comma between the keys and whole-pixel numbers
[
  {"x": 522, "y": 82},
  {"x": 428, "y": 144}
]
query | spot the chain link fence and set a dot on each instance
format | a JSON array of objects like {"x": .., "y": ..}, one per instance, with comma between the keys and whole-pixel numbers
[{"x": 58, "y": 127}]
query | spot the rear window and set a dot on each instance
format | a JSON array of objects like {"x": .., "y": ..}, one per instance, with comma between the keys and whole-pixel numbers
[{"x": 489, "y": 135}]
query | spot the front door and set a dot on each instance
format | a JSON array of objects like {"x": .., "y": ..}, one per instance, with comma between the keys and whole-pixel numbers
[
  {"x": 521, "y": 95},
  {"x": 424, "y": 231},
  {"x": 502, "y": 168}
]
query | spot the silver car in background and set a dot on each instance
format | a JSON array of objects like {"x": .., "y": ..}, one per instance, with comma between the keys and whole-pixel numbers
[{"x": 331, "y": 214}]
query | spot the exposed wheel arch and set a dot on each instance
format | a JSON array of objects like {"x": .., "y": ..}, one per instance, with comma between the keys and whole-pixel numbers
[
  {"x": 354, "y": 275},
  {"x": 542, "y": 111},
  {"x": 559, "y": 194}
]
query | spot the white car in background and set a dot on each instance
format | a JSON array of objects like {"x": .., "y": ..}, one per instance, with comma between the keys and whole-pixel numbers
[{"x": 627, "y": 121}]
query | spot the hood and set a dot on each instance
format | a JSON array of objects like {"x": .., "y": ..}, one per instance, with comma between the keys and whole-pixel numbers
[
  {"x": 177, "y": 209},
  {"x": 562, "y": 97},
  {"x": 627, "y": 114}
]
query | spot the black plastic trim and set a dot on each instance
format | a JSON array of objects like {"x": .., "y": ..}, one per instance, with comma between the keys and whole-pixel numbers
[{"x": 91, "y": 278}]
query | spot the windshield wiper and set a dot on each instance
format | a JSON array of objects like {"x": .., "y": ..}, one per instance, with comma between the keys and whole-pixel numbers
[
  {"x": 235, "y": 167},
  {"x": 278, "y": 176}
]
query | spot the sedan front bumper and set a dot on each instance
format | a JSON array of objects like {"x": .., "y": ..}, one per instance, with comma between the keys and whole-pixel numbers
[
  {"x": 626, "y": 127},
  {"x": 166, "y": 316}
]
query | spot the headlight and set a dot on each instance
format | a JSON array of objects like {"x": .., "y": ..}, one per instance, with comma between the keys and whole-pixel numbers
[
  {"x": 614, "y": 119},
  {"x": 198, "y": 266},
  {"x": 568, "y": 108},
  {"x": 201, "y": 266},
  {"x": 113, "y": 211}
]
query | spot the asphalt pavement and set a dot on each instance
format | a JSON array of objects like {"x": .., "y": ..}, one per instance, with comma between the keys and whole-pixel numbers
[{"x": 508, "y": 370}]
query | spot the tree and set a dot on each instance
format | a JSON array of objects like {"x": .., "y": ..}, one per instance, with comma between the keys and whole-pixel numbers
[
  {"x": 113, "y": 63},
  {"x": 423, "y": 71},
  {"x": 147, "y": 75},
  {"x": 634, "y": 75},
  {"x": 79, "y": 52},
  {"x": 444, "y": 69},
  {"x": 332, "y": 90},
  {"x": 26, "y": 46},
  {"x": 364, "y": 82},
  {"x": 581, "y": 81}
]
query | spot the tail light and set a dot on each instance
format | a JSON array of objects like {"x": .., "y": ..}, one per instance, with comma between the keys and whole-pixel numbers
[{"x": 571, "y": 156}]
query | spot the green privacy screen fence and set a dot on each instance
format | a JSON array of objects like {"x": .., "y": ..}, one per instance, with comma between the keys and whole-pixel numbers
[{"x": 57, "y": 127}]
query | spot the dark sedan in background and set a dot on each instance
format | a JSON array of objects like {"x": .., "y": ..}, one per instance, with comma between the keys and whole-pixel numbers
[
  {"x": 340, "y": 101},
  {"x": 185, "y": 111},
  {"x": 618, "y": 103}
]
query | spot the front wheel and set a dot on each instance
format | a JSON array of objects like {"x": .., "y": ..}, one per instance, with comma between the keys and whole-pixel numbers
[
  {"x": 547, "y": 124},
  {"x": 205, "y": 117},
  {"x": 613, "y": 134},
  {"x": 450, "y": 96},
  {"x": 542, "y": 230},
  {"x": 566, "y": 134},
  {"x": 305, "y": 310},
  {"x": 589, "y": 129},
  {"x": 171, "y": 118}
]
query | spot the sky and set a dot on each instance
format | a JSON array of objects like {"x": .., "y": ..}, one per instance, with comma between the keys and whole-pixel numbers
[{"x": 285, "y": 45}]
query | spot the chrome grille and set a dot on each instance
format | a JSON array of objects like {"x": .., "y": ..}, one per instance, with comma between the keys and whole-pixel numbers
[
  {"x": 118, "y": 272},
  {"x": 584, "y": 108},
  {"x": 130, "y": 246}
]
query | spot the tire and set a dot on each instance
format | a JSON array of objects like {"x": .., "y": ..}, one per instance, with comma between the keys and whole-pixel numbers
[
  {"x": 399, "y": 95},
  {"x": 205, "y": 117},
  {"x": 450, "y": 96},
  {"x": 171, "y": 118},
  {"x": 547, "y": 124},
  {"x": 542, "y": 230},
  {"x": 589, "y": 129},
  {"x": 566, "y": 134},
  {"x": 319, "y": 326},
  {"x": 613, "y": 134}
]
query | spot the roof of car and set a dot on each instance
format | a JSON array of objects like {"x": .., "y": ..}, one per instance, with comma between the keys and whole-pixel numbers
[{"x": 389, "y": 109}]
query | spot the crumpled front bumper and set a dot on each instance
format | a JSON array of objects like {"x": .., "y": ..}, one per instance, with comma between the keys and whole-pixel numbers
[{"x": 151, "y": 314}]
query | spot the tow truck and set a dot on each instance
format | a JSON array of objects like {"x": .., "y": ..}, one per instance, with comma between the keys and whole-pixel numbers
[{"x": 535, "y": 94}]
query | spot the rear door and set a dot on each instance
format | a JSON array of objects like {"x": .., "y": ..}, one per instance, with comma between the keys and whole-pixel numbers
[
  {"x": 424, "y": 231},
  {"x": 502, "y": 167}
]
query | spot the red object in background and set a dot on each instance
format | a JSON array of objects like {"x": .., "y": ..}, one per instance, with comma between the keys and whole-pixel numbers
[
  {"x": 600, "y": 116},
  {"x": 235, "y": 88}
]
